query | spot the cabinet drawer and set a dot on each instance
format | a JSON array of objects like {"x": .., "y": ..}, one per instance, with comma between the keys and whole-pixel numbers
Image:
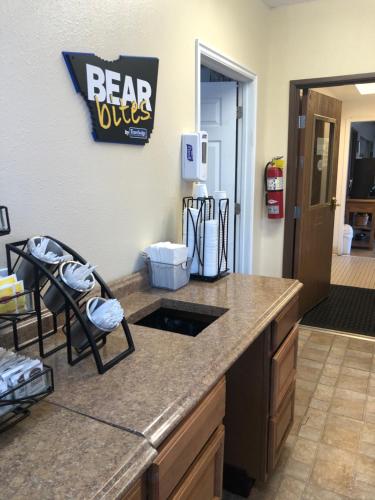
[
  {"x": 283, "y": 323},
  {"x": 279, "y": 428},
  {"x": 283, "y": 369},
  {"x": 180, "y": 449},
  {"x": 204, "y": 479}
]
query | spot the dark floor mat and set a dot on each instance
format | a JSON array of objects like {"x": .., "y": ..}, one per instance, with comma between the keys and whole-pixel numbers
[{"x": 347, "y": 309}]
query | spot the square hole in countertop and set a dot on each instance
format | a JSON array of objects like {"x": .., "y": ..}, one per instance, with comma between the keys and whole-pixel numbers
[{"x": 180, "y": 317}]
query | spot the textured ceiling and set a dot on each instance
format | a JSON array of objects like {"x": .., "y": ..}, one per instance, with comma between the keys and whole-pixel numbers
[
  {"x": 346, "y": 93},
  {"x": 278, "y": 3}
]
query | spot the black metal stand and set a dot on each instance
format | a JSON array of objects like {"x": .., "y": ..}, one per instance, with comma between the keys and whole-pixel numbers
[
  {"x": 208, "y": 209},
  {"x": 74, "y": 309},
  {"x": 16, "y": 409}
]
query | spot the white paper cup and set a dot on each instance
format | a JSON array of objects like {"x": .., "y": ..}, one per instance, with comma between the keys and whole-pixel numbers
[
  {"x": 25, "y": 271},
  {"x": 200, "y": 190},
  {"x": 78, "y": 335},
  {"x": 54, "y": 299},
  {"x": 220, "y": 195}
]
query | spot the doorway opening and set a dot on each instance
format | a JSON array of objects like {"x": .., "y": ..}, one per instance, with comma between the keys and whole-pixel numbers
[
  {"x": 220, "y": 118},
  {"x": 354, "y": 176},
  {"x": 226, "y": 109},
  {"x": 361, "y": 186}
]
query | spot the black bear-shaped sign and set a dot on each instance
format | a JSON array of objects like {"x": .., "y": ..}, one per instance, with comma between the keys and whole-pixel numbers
[{"x": 120, "y": 95}]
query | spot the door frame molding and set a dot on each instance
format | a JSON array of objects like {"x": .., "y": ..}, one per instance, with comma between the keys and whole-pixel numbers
[
  {"x": 217, "y": 61},
  {"x": 291, "y": 190}
]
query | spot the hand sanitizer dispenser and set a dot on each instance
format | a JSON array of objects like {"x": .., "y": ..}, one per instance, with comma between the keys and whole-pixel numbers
[{"x": 194, "y": 156}]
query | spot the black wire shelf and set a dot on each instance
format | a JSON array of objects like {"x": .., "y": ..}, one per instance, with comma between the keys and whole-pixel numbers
[
  {"x": 16, "y": 402},
  {"x": 195, "y": 234}
]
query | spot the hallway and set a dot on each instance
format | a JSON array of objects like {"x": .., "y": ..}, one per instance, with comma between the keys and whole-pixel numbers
[{"x": 349, "y": 270}]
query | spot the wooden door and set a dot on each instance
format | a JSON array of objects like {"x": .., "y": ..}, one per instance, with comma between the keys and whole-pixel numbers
[{"x": 316, "y": 191}]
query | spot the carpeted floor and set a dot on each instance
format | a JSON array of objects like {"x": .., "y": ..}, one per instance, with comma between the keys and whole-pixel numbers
[{"x": 348, "y": 309}]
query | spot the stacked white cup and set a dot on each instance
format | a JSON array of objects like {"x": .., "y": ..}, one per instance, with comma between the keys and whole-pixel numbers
[
  {"x": 190, "y": 224},
  {"x": 211, "y": 242},
  {"x": 200, "y": 190}
]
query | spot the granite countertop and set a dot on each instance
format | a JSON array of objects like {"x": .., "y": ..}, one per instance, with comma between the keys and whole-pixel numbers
[
  {"x": 151, "y": 391},
  {"x": 156, "y": 386},
  {"x": 57, "y": 453}
]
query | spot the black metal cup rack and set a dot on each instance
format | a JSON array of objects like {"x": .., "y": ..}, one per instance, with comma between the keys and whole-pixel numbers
[
  {"x": 16, "y": 407},
  {"x": 74, "y": 310},
  {"x": 207, "y": 211}
]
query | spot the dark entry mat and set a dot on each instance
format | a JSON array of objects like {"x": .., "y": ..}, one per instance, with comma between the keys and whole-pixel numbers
[{"x": 347, "y": 308}]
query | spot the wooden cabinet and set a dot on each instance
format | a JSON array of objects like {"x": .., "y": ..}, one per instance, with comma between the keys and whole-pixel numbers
[
  {"x": 247, "y": 413},
  {"x": 279, "y": 427},
  {"x": 256, "y": 401},
  {"x": 283, "y": 369},
  {"x": 354, "y": 206},
  {"x": 260, "y": 402},
  {"x": 178, "y": 454},
  {"x": 283, "y": 323},
  {"x": 203, "y": 480},
  {"x": 138, "y": 491}
]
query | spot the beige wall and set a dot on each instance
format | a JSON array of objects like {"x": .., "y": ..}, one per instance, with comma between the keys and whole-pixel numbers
[
  {"x": 108, "y": 201},
  {"x": 313, "y": 39}
]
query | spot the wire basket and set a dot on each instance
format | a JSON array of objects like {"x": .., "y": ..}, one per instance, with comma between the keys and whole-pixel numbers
[
  {"x": 15, "y": 402},
  {"x": 205, "y": 233},
  {"x": 169, "y": 276},
  {"x": 361, "y": 219}
]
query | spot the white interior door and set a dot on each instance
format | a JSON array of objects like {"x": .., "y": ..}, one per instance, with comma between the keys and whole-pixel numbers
[{"x": 218, "y": 118}]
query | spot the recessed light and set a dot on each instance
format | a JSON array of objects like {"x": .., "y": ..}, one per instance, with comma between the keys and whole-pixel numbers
[{"x": 365, "y": 88}]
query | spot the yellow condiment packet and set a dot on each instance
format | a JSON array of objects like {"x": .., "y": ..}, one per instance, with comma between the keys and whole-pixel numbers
[
  {"x": 21, "y": 301},
  {"x": 8, "y": 280},
  {"x": 10, "y": 306}
]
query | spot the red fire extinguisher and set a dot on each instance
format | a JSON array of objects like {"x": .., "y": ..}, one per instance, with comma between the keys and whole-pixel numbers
[{"x": 274, "y": 184}]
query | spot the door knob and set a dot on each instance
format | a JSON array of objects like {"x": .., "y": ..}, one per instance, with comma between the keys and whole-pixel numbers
[{"x": 334, "y": 203}]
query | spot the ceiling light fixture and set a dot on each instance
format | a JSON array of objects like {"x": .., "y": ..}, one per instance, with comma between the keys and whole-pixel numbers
[{"x": 365, "y": 88}]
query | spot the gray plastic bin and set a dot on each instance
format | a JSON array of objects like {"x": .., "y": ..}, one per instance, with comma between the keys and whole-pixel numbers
[{"x": 169, "y": 276}]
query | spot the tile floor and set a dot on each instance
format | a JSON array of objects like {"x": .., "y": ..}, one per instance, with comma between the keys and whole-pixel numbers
[
  {"x": 349, "y": 270},
  {"x": 330, "y": 452}
]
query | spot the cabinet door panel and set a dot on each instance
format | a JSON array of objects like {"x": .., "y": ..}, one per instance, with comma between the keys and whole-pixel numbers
[
  {"x": 283, "y": 369},
  {"x": 203, "y": 480},
  {"x": 279, "y": 428},
  {"x": 182, "y": 447},
  {"x": 283, "y": 323}
]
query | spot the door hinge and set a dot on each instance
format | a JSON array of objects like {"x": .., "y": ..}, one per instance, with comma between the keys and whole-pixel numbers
[
  {"x": 297, "y": 213},
  {"x": 239, "y": 113},
  {"x": 302, "y": 121},
  {"x": 237, "y": 208}
]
